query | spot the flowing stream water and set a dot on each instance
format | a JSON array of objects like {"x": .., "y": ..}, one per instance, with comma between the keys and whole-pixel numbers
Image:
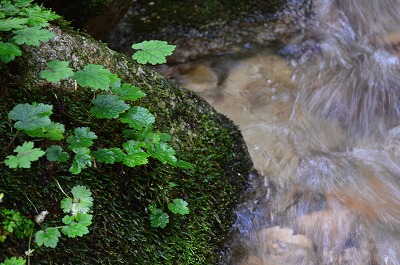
[{"x": 323, "y": 133}]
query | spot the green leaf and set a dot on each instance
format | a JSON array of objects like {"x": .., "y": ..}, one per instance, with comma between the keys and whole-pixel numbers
[
  {"x": 114, "y": 80},
  {"x": 12, "y": 23},
  {"x": 14, "y": 261},
  {"x": 8, "y": 10},
  {"x": 133, "y": 146},
  {"x": 81, "y": 160},
  {"x": 172, "y": 184},
  {"x": 163, "y": 152},
  {"x": 78, "y": 227},
  {"x": 135, "y": 159},
  {"x": 138, "y": 117},
  {"x": 158, "y": 218},
  {"x": 184, "y": 164},
  {"x": 82, "y": 137},
  {"x": 30, "y": 117},
  {"x": 48, "y": 237},
  {"x": 74, "y": 230},
  {"x": 129, "y": 92},
  {"x": 32, "y": 35},
  {"x": 26, "y": 155},
  {"x": 54, "y": 131},
  {"x": 68, "y": 219},
  {"x": 109, "y": 156},
  {"x": 135, "y": 155},
  {"x": 94, "y": 76},
  {"x": 84, "y": 219},
  {"x": 153, "y": 51},
  {"x": 23, "y": 3},
  {"x": 8, "y": 52},
  {"x": 55, "y": 153},
  {"x": 59, "y": 70},
  {"x": 81, "y": 202},
  {"x": 178, "y": 206},
  {"x": 39, "y": 17},
  {"x": 108, "y": 106}
]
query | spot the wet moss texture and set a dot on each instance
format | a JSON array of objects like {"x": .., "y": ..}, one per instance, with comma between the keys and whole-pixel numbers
[{"x": 121, "y": 231}]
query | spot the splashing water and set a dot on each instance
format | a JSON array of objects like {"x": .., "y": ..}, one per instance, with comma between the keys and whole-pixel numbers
[{"x": 331, "y": 187}]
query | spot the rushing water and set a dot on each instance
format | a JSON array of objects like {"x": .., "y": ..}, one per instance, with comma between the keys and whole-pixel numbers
[{"x": 326, "y": 142}]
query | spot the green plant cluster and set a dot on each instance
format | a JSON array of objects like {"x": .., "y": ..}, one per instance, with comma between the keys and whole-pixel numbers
[
  {"x": 112, "y": 105},
  {"x": 76, "y": 222},
  {"x": 14, "y": 222},
  {"x": 23, "y": 23}
]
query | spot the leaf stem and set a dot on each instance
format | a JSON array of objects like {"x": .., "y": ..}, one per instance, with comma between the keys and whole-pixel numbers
[
  {"x": 104, "y": 126},
  {"x": 136, "y": 72},
  {"x": 59, "y": 186},
  {"x": 10, "y": 143},
  {"x": 29, "y": 247}
]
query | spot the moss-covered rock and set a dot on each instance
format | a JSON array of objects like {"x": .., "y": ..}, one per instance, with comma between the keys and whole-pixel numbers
[{"x": 121, "y": 231}]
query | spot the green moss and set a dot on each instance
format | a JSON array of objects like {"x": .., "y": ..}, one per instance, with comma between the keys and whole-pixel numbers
[{"x": 121, "y": 231}]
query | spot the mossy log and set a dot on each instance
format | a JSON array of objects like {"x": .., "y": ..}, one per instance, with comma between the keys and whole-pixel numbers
[{"x": 121, "y": 232}]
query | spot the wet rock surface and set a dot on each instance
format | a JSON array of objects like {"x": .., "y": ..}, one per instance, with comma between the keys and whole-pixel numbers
[
  {"x": 257, "y": 27},
  {"x": 96, "y": 17}
]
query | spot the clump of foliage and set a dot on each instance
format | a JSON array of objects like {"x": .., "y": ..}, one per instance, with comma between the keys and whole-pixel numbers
[
  {"x": 22, "y": 22},
  {"x": 76, "y": 223}
]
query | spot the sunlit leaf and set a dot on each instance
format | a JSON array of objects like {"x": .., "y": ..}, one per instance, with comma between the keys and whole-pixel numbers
[
  {"x": 55, "y": 153},
  {"x": 32, "y": 35},
  {"x": 94, "y": 76},
  {"x": 133, "y": 146},
  {"x": 178, "y": 206},
  {"x": 184, "y": 164},
  {"x": 26, "y": 155},
  {"x": 68, "y": 219},
  {"x": 8, "y": 52},
  {"x": 39, "y": 17},
  {"x": 14, "y": 261},
  {"x": 30, "y": 117},
  {"x": 158, "y": 218},
  {"x": 109, "y": 156},
  {"x": 23, "y": 3},
  {"x": 138, "y": 117},
  {"x": 81, "y": 202},
  {"x": 81, "y": 160},
  {"x": 8, "y": 10},
  {"x": 12, "y": 23},
  {"x": 163, "y": 152},
  {"x": 108, "y": 106},
  {"x": 135, "y": 159},
  {"x": 76, "y": 225},
  {"x": 153, "y": 52},
  {"x": 53, "y": 131},
  {"x": 58, "y": 70},
  {"x": 115, "y": 81},
  {"x": 82, "y": 137},
  {"x": 48, "y": 237},
  {"x": 135, "y": 154},
  {"x": 129, "y": 92}
]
